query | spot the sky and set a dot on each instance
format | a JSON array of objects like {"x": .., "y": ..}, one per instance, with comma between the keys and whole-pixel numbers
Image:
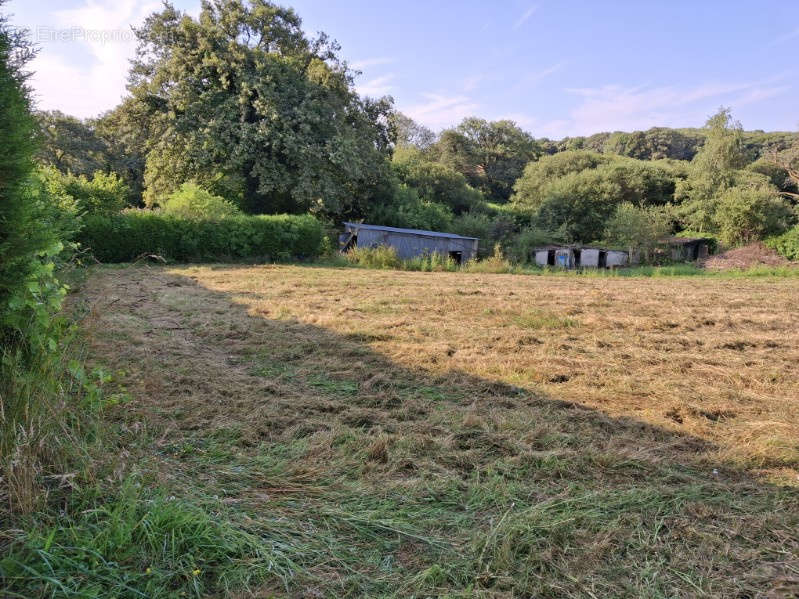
[{"x": 556, "y": 67}]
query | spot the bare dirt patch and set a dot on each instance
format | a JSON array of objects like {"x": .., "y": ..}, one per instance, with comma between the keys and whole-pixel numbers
[{"x": 748, "y": 256}]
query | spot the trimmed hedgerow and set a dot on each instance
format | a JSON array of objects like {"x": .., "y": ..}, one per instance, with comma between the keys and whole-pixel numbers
[
  {"x": 786, "y": 244},
  {"x": 127, "y": 236}
]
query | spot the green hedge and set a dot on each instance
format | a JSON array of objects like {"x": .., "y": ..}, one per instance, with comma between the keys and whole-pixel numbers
[
  {"x": 126, "y": 236},
  {"x": 786, "y": 244}
]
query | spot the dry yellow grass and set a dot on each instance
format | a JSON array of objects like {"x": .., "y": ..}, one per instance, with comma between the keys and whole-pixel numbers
[{"x": 492, "y": 435}]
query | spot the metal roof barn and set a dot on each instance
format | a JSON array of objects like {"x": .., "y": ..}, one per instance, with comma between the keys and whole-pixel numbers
[{"x": 410, "y": 243}]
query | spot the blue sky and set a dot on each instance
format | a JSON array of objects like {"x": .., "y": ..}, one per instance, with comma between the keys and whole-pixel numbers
[{"x": 557, "y": 68}]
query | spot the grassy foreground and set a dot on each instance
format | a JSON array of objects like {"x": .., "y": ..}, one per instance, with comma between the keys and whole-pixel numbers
[{"x": 329, "y": 432}]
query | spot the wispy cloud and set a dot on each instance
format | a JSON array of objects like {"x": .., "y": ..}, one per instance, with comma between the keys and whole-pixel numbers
[
  {"x": 360, "y": 65},
  {"x": 614, "y": 107},
  {"x": 439, "y": 111},
  {"x": 785, "y": 37},
  {"x": 527, "y": 14},
  {"x": 376, "y": 87},
  {"x": 537, "y": 76},
  {"x": 96, "y": 80}
]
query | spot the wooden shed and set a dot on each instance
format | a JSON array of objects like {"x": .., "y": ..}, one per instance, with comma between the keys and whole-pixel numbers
[{"x": 409, "y": 243}]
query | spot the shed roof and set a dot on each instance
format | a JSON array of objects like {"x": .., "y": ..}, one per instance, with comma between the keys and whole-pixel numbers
[
  {"x": 578, "y": 247},
  {"x": 406, "y": 231},
  {"x": 685, "y": 240}
]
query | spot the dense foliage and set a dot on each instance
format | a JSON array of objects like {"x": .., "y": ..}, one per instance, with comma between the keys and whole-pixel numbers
[
  {"x": 434, "y": 181},
  {"x": 664, "y": 142},
  {"x": 242, "y": 102},
  {"x": 254, "y": 116},
  {"x": 575, "y": 192},
  {"x": 639, "y": 229},
  {"x": 113, "y": 143},
  {"x": 719, "y": 196},
  {"x": 25, "y": 241},
  {"x": 136, "y": 234},
  {"x": 101, "y": 193},
  {"x": 194, "y": 203},
  {"x": 491, "y": 155},
  {"x": 33, "y": 376},
  {"x": 786, "y": 244}
]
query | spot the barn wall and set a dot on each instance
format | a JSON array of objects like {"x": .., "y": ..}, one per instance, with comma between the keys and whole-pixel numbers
[
  {"x": 589, "y": 257},
  {"x": 616, "y": 258},
  {"x": 542, "y": 257},
  {"x": 409, "y": 245},
  {"x": 564, "y": 258}
]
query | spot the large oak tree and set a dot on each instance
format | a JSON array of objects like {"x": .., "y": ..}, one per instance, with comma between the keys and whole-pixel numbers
[
  {"x": 491, "y": 155},
  {"x": 241, "y": 101}
]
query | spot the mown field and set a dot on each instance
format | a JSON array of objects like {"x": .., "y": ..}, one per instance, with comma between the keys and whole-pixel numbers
[{"x": 384, "y": 433}]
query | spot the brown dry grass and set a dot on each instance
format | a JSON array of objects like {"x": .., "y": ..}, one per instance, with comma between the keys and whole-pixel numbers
[{"x": 494, "y": 435}]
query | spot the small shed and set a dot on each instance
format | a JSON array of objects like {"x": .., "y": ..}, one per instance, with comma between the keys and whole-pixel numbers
[
  {"x": 409, "y": 243},
  {"x": 688, "y": 249},
  {"x": 579, "y": 257}
]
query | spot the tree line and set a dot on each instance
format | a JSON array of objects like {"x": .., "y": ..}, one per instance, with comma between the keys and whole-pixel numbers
[{"x": 242, "y": 105}]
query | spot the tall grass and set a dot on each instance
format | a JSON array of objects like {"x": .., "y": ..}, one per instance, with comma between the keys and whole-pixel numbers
[
  {"x": 384, "y": 257},
  {"x": 134, "y": 543},
  {"x": 40, "y": 426}
]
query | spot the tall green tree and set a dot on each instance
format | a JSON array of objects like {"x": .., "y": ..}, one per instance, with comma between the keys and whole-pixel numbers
[
  {"x": 125, "y": 131},
  {"x": 241, "y": 101},
  {"x": 70, "y": 144},
  {"x": 787, "y": 161},
  {"x": 23, "y": 237},
  {"x": 577, "y": 191},
  {"x": 433, "y": 181},
  {"x": 714, "y": 170},
  {"x": 408, "y": 133},
  {"x": 654, "y": 144},
  {"x": 638, "y": 229},
  {"x": 491, "y": 155}
]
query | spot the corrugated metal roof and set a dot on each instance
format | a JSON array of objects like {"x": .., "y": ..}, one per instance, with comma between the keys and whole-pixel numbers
[
  {"x": 406, "y": 231},
  {"x": 577, "y": 247},
  {"x": 685, "y": 240}
]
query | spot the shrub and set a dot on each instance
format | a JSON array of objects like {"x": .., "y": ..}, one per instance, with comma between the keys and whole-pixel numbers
[
  {"x": 744, "y": 215},
  {"x": 127, "y": 236},
  {"x": 638, "y": 229},
  {"x": 193, "y": 202},
  {"x": 435, "y": 182},
  {"x": 435, "y": 262},
  {"x": 385, "y": 257},
  {"x": 521, "y": 245},
  {"x": 381, "y": 256},
  {"x": 786, "y": 244},
  {"x": 496, "y": 263},
  {"x": 104, "y": 193}
]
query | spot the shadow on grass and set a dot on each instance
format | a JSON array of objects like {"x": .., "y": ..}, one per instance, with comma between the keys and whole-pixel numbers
[{"x": 367, "y": 478}]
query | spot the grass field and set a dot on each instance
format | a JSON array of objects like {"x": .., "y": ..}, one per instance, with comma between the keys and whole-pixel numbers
[{"x": 383, "y": 433}]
